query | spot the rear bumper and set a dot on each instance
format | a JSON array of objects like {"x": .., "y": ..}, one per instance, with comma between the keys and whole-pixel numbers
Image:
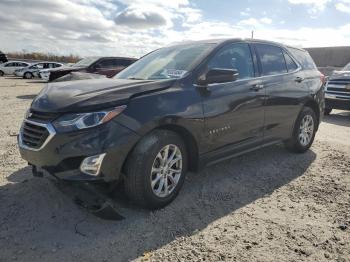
[
  {"x": 63, "y": 154},
  {"x": 337, "y": 103}
]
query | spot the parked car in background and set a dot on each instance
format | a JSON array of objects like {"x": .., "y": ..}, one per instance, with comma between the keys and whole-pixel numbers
[
  {"x": 175, "y": 109},
  {"x": 108, "y": 66},
  {"x": 338, "y": 90},
  {"x": 3, "y": 58},
  {"x": 9, "y": 68},
  {"x": 44, "y": 74},
  {"x": 33, "y": 70}
]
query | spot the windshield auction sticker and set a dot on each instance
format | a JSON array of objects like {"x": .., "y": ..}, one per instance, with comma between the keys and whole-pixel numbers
[{"x": 174, "y": 73}]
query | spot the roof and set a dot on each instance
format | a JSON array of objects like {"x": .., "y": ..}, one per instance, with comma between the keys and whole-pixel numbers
[
  {"x": 112, "y": 57},
  {"x": 223, "y": 40}
]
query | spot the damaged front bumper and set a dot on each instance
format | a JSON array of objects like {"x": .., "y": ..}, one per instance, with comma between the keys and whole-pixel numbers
[{"x": 62, "y": 154}]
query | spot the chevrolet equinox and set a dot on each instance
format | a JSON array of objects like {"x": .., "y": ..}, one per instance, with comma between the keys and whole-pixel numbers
[{"x": 176, "y": 109}]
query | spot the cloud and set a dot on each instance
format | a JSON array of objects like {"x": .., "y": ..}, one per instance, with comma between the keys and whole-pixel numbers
[
  {"x": 136, "y": 27},
  {"x": 343, "y": 6},
  {"x": 254, "y": 22},
  {"x": 316, "y": 6},
  {"x": 142, "y": 17}
]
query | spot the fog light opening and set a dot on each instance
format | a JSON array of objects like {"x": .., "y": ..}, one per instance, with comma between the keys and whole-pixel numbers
[{"x": 92, "y": 165}]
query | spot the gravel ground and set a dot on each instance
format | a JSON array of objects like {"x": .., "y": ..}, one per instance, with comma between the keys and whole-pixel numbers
[{"x": 269, "y": 205}]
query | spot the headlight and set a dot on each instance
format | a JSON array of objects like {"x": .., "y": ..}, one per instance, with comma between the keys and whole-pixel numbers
[{"x": 77, "y": 121}]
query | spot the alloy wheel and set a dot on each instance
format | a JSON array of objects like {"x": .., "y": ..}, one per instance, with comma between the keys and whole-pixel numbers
[
  {"x": 306, "y": 130},
  {"x": 166, "y": 171},
  {"x": 28, "y": 75}
]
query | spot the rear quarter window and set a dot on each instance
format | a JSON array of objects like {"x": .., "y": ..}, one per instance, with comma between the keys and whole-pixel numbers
[{"x": 303, "y": 57}]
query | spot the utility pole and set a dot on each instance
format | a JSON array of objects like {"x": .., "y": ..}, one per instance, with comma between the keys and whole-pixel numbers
[{"x": 252, "y": 34}]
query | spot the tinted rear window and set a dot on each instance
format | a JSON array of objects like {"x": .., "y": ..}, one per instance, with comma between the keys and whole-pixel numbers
[
  {"x": 303, "y": 58},
  {"x": 272, "y": 59}
]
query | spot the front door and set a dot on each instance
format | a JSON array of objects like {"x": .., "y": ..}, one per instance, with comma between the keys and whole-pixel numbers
[{"x": 234, "y": 111}]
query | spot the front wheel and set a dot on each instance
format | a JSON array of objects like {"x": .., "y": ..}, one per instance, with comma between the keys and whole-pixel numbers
[
  {"x": 304, "y": 131},
  {"x": 156, "y": 169},
  {"x": 28, "y": 75}
]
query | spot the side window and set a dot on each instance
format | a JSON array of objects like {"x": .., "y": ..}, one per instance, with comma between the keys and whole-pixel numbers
[
  {"x": 234, "y": 56},
  {"x": 303, "y": 57},
  {"x": 272, "y": 59},
  {"x": 39, "y": 66},
  {"x": 125, "y": 62},
  {"x": 107, "y": 63},
  {"x": 291, "y": 65},
  {"x": 10, "y": 65}
]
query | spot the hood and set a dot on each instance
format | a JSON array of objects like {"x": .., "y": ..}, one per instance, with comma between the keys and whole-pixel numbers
[
  {"x": 93, "y": 94},
  {"x": 340, "y": 76},
  {"x": 67, "y": 68}
]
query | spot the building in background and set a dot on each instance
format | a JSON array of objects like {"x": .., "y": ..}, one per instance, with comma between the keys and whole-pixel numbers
[{"x": 329, "y": 59}]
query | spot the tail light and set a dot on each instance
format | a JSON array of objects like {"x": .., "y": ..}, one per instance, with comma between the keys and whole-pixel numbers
[{"x": 323, "y": 78}]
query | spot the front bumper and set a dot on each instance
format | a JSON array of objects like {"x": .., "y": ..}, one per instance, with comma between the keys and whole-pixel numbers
[
  {"x": 44, "y": 76},
  {"x": 63, "y": 153},
  {"x": 337, "y": 103}
]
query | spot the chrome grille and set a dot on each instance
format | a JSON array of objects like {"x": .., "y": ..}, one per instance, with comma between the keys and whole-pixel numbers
[{"x": 35, "y": 135}]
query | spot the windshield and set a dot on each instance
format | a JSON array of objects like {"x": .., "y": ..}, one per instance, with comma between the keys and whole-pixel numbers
[
  {"x": 346, "y": 68},
  {"x": 166, "y": 63},
  {"x": 85, "y": 62}
]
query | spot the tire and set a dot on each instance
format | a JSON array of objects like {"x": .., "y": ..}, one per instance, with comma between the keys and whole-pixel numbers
[
  {"x": 327, "y": 111},
  {"x": 1, "y": 73},
  {"x": 28, "y": 75},
  {"x": 298, "y": 142},
  {"x": 145, "y": 159}
]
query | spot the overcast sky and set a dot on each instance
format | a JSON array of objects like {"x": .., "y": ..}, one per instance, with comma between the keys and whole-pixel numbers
[{"x": 135, "y": 27}]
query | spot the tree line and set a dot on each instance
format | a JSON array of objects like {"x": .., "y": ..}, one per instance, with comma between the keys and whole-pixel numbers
[{"x": 45, "y": 57}]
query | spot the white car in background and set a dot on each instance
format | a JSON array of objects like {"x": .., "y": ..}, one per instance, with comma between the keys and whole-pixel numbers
[
  {"x": 33, "y": 70},
  {"x": 9, "y": 68}
]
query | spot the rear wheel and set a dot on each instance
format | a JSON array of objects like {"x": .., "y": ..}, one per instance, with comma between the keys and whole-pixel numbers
[
  {"x": 28, "y": 75},
  {"x": 304, "y": 131},
  {"x": 327, "y": 111},
  {"x": 1, "y": 73},
  {"x": 155, "y": 170}
]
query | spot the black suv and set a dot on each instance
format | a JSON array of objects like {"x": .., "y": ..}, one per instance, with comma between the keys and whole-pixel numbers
[
  {"x": 3, "y": 58},
  {"x": 175, "y": 109}
]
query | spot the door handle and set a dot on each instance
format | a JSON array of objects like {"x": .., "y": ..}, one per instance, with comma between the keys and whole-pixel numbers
[
  {"x": 299, "y": 79},
  {"x": 257, "y": 87}
]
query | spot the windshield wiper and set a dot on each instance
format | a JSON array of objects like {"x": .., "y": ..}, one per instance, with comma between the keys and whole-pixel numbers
[{"x": 135, "y": 78}]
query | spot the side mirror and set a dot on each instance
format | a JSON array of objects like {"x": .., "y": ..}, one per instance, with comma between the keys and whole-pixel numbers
[{"x": 218, "y": 75}]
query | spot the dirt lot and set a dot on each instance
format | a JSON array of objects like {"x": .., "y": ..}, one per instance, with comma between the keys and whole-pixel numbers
[{"x": 269, "y": 205}]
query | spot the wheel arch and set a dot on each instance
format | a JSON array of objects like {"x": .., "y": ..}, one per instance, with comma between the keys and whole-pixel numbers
[
  {"x": 315, "y": 107},
  {"x": 185, "y": 134},
  {"x": 190, "y": 143}
]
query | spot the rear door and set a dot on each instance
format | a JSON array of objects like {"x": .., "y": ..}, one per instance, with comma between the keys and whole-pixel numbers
[
  {"x": 234, "y": 111},
  {"x": 283, "y": 81}
]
